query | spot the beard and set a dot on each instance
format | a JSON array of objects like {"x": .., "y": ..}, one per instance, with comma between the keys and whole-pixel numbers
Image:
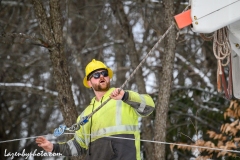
[{"x": 101, "y": 87}]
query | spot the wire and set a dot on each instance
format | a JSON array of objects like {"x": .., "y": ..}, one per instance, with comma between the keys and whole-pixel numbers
[
  {"x": 176, "y": 144},
  {"x": 142, "y": 140},
  {"x": 23, "y": 138}
]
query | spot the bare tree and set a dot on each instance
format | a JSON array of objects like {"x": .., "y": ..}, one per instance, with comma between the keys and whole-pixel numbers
[
  {"x": 165, "y": 82},
  {"x": 45, "y": 46},
  {"x": 51, "y": 31}
]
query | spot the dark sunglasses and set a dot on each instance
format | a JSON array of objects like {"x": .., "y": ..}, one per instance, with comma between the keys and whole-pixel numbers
[{"x": 97, "y": 75}]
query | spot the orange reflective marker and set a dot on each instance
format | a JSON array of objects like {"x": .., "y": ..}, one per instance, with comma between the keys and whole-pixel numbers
[{"x": 183, "y": 19}]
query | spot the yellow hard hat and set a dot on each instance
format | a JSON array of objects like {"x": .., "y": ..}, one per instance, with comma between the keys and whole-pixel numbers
[{"x": 93, "y": 66}]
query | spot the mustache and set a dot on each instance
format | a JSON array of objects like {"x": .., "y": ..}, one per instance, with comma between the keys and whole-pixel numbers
[{"x": 102, "y": 80}]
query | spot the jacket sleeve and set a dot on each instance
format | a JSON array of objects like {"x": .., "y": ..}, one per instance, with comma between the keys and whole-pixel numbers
[
  {"x": 69, "y": 148},
  {"x": 142, "y": 103},
  {"x": 74, "y": 147}
]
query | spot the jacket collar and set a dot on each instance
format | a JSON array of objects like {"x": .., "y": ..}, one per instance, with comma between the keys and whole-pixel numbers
[{"x": 105, "y": 96}]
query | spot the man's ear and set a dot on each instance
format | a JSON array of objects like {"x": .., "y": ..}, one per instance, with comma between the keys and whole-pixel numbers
[{"x": 89, "y": 84}]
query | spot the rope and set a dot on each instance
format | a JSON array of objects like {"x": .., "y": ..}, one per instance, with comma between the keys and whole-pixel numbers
[
  {"x": 23, "y": 138},
  {"x": 176, "y": 144},
  {"x": 222, "y": 52},
  {"x": 206, "y": 38},
  {"x": 146, "y": 56},
  {"x": 221, "y": 45},
  {"x": 142, "y": 140},
  {"x": 76, "y": 126}
]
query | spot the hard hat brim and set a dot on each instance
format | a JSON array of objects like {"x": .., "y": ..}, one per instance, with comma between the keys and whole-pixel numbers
[{"x": 110, "y": 74}]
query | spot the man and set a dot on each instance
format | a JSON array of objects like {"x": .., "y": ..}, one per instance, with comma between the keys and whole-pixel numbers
[{"x": 112, "y": 133}]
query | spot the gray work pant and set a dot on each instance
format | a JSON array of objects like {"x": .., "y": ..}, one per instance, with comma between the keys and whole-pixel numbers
[{"x": 108, "y": 148}]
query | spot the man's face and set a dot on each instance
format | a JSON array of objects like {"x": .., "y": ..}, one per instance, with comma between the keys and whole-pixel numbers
[{"x": 99, "y": 80}]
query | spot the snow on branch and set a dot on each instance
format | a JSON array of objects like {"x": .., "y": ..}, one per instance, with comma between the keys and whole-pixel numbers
[{"x": 27, "y": 88}]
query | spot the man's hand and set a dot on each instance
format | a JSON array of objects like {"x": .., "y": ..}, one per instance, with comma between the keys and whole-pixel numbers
[
  {"x": 44, "y": 143},
  {"x": 116, "y": 94}
]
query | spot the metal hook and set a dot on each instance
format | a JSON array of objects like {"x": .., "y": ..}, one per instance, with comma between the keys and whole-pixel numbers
[{"x": 59, "y": 131}]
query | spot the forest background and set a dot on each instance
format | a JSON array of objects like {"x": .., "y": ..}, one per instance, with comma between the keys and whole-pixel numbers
[{"x": 45, "y": 46}]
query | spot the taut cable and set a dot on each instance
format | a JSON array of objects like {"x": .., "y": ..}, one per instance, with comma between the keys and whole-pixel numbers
[
  {"x": 76, "y": 126},
  {"x": 133, "y": 139}
]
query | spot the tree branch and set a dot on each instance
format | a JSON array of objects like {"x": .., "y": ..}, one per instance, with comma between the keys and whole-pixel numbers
[{"x": 28, "y": 88}]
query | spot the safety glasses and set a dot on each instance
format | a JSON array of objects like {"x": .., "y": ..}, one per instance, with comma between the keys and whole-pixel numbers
[{"x": 97, "y": 75}]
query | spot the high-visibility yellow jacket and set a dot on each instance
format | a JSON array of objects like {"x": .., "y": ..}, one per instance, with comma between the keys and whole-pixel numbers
[{"x": 114, "y": 118}]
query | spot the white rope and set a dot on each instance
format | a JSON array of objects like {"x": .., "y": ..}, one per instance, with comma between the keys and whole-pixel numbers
[
  {"x": 221, "y": 46},
  {"x": 177, "y": 144},
  {"x": 24, "y": 138},
  {"x": 150, "y": 141}
]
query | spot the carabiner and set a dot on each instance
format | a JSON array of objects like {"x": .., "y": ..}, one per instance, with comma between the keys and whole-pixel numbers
[{"x": 59, "y": 131}]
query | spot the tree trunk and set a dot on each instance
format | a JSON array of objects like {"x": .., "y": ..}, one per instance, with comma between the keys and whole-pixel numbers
[
  {"x": 165, "y": 83},
  {"x": 51, "y": 31},
  {"x": 53, "y": 36}
]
